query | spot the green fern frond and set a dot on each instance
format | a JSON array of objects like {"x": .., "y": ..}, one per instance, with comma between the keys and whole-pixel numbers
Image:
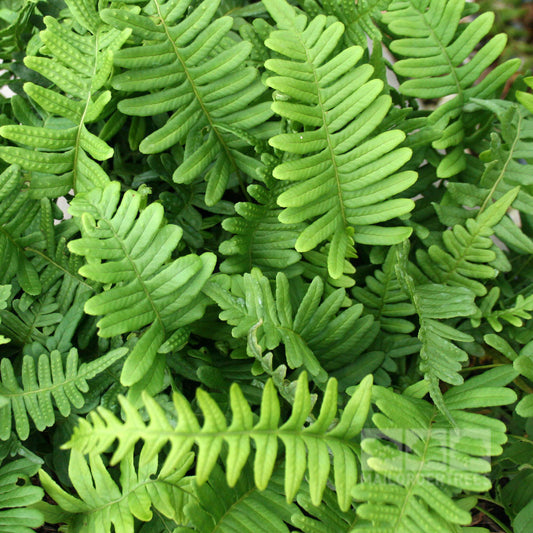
[
  {"x": 438, "y": 64},
  {"x": 305, "y": 447},
  {"x": 344, "y": 176},
  {"x": 384, "y": 297},
  {"x": 260, "y": 239},
  {"x": 53, "y": 382},
  {"x": 103, "y": 503},
  {"x": 240, "y": 508},
  {"x": 5, "y": 291},
  {"x": 17, "y": 214},
  {"x": 526, "y": 99},
  {"x": 317, "y": 334},
  {"x": 185, "y": 69},
  {"x": 18, "y": 496},
  {"x": 129, "y": 247},
  {"x": 466, "y": 250},
  {"x": 60, "y": 152},
  {"x": 412, "y": 486}
]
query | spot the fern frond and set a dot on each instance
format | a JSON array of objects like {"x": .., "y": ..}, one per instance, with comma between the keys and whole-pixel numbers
[
  {"x": 53, "y": 379},
  {"x": 242, "y": 508},
  {"x": 60, "y": 153},
  {"x": 17, "y": 214},
  {"x": 18, "y": 496},
  {"x": 260, "y": 239},
  {"x": 130, "y": 247},
  {"x": 461, "y": 261},
  {"x": 185, "y": 69},
  {"x": 317, "y": 334},
  {"x": 411, "y": 487},
  {"x": 305, "y": 447},
  {"x": 103, "y": 503},
  {"x": 345, "y": 175},
  {"x": 438, "y": 64},
  {"x": 5, "y": 291}
]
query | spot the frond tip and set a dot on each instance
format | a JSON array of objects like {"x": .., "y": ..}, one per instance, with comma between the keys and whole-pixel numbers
[{"x": 306, "y": 446}]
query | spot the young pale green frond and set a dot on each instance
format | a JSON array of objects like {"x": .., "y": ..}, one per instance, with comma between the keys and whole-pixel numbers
[
  {"x": 409, "y": 482},
  {"x": 306, "y": 446},
  {"x": 242, "y": 508},
  {"x": 60, "y": 153},
  {"x": 185, "y": 66},
  {"x": 317, "y": 334},
  {"x": 17, "y": 214},
  {"x": 129, "y": 247},
  {"x": 104, "y": 505},
  {"x": 18, "y": 495},
  {"x": 345, "y": 175},
  {"x": 46, "y": 383},
  {"x": 260, "y": 239},
  {"x": 437, "y": 49},
  {"x": 466, "y": 250}
]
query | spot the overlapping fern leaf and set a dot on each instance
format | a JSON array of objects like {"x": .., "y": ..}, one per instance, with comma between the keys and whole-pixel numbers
[
  {"x": 128, "y": 246},
  {"x": 189, "y": 66},
  {"x": 18, "y": 495},
  {"x": 318, "y": 334},
  {"x": 46, "y": 382},
  {"x": 411, "y": 478},
  {"x": 17, "y": 216},
  {"x": 59, "y": 151},
  {"x": 345, "y": 176},
  {"x": 306, "y": 446},
  {"x": 437, "y": 49},
  {"x": 461, "y": 261},
  {"x": 240, "y": 508},
  {"x": 104, "y": 505}
]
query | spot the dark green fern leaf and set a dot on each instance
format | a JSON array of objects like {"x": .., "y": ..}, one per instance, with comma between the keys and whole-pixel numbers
[
  {"x": 183, "y": 67},
  {"x": 345, "y": 176}
]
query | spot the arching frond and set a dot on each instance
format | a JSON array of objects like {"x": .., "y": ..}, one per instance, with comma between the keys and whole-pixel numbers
[
  {"x": 187, "y": 67},
  {"x": 409, "y": 483},
  {"x": 104, "y": 505},
  {"x": 305, "y": 446},
  {"x": 18, "y": 495},
  {"x": 59, "y": 152},
  {"x": 345, "y": 176},
  {"x": 46, "y": 383},
  {"x": 17, "y": 214},
  {"x": 129, "y": 247},
  {"x": 317, "y": 334},
  {"x": 437, "y": 49}
]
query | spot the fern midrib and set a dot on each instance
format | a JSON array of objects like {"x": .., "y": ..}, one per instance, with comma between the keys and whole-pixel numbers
[
  {"x": 326, "y": 130},
  {"x": 77, "y": 145},
  {"x": 506, "y": 164},
  {"x": 232, "y": 506},
  {"x": 137, "y": 273},
  {"x": 414, "y": 482},
  {"x": 197, "y": 95}
]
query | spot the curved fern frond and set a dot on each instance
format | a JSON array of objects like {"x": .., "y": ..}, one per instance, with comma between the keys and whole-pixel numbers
[
  {"x": 467, "y": 249},
  {"x": 188, "y": 66},
  {"x": 103, "y": 503},
  {"x": 306, "y": 446},
  {"x": 17, "y": 214},
  {"x": 242, "y": 508},
  {"x": 18, "y": 496},
  {"x": 345, "y": 176},
  {"x": 438, "y": 64},
  {"x": 53, "y": 379},
  {"x": 317, "y": 334},
  {"x": 129, "y": 247},
  {"x": 60, "y": 152},
  {"x": 260, "y": 239},
  {"x": 412, "y": 487}
]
